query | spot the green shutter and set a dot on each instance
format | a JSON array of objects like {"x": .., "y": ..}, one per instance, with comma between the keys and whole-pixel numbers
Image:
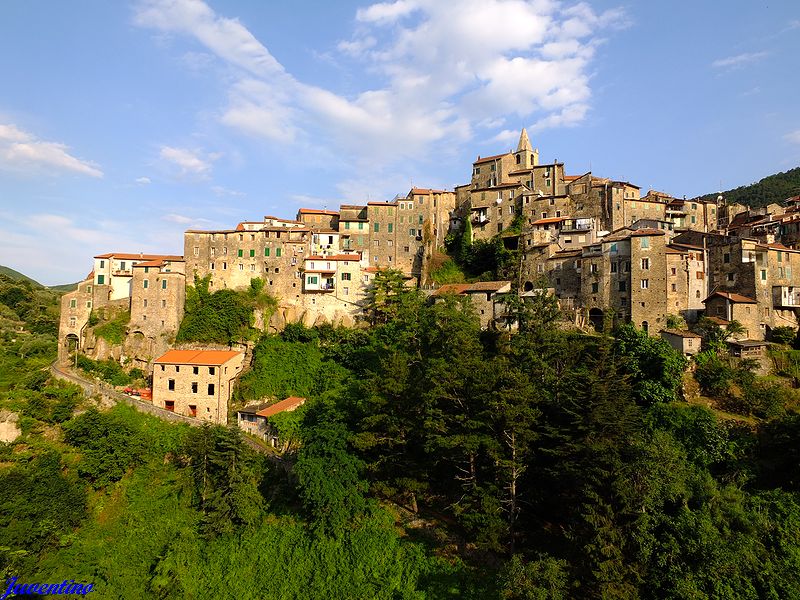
[
  {"x": 266, "y": 251},
  {"x": 277, "y": 252},
  {"x": 390, "y": 227},
  {"x": 252, "y": 252}
]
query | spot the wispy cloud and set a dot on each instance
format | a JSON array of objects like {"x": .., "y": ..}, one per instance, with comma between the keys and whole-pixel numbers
[
  {"x": 739, "y": 60},
  {"x": 143, "y": 180},
  {"x": 22, "y": 151},
  {"x": 444, "y": 71},
  {"x": 223, "y": 192},
  {"x": 793, "y": 137},
  {"x": 189, "y": 162}
]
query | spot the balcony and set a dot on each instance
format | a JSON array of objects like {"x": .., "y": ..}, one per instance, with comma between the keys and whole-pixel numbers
[{"x": 122, "y": 273}]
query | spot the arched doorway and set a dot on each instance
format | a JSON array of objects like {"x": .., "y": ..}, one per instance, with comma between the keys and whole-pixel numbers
[
  {"x": 69, "y": 350},
  {"x": 596, "y": 318},
  {"x": 645, "y": 326}
]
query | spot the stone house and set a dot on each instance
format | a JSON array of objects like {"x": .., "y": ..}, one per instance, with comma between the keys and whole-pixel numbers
[
  {"x": 318, "y": 220},
  {"x": 685, "y": 342},
  {"x": 486, "y": 299},
  {"x": 255, "y": 419},
  {"x": 196, "y": 383}
]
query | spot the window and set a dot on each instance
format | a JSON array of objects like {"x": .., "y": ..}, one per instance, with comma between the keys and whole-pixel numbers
[
  {"x": 101, "y": 279},
  {"x": 144, "y": 303},
  {"x": 345, "y": 276},
  {"x": 406, "y": 249},
  {"x": 623, "y": 286},
  {"x": 674, "y": 287},
  {"x": 196, "y": 251},
  {"x": 377, "y": 227},
  {"x": 361, "y": 225},
  {"x": 196, "y": 370},
  {"x": 194, "y": 387},
  {"x": 145, "y": 284},
  {"x": 731, "y": 276},
  {"x": 252, "y": 267},
  {"x": 645, "y": 264},
  {"x": 613, "y": 267},
  {"x": 700, "y": 275},
  {"x": 210, "y": 389},
  {"x": 266, "y": 251},
  {"x": 420, "y": 219},
  {"x": 177, "y": 369},
  {"x": 252, "y": 253},
  {"x": 89, "y": 304},
  {"x": 594, "y": 288},
  {"x": 726, "y": 258},
  {"x": 163, "y": 284},
  {"x": 102, "y": 264},
  {"x": 345, "y": 291},
  {"x": 211, "y": 266},
  {"x": 763, "y": 274},
  {"x": 312, "y": 280},
  {"x": 645, "y": 284},
  {"x": 73, "y": 321},
  {"x": 645, "y": 242},
  {"x": 163, "y": 304},
  {"x": 673, "y": 271},
  {"x": 171, "y": 385},
  {"x": 192, "y": 410},
  {"x": 211, "y": 370},
  {"x": 240, "y": 253},
  {"x": 694, "y": 219},
  {"x": 73, "y": 303},
  {"x": 278, "y": 252}
]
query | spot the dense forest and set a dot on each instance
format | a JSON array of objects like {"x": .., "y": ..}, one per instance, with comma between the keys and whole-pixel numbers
[
  {"x": 434, "y": 460},
  {"x": 772, "y": 189}
]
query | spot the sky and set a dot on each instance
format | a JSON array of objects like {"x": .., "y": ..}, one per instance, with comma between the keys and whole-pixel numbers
[{"x": 122, "y": 124}]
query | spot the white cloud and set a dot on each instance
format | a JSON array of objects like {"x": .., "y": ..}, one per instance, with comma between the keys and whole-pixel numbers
[
  {"x": 222, "y": 192},
  {"x": 143, "y": 180},
  {"x": 189, "y": 162},
  {"x": 440, "y": 73},
  {"x": 793, "y": 137},
  {"x": 22, "y": 151},
  {"x": 738, "y": 60}
]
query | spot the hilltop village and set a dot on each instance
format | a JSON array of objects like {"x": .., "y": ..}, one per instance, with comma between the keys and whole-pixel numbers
[{"x": 607, "y": 251}]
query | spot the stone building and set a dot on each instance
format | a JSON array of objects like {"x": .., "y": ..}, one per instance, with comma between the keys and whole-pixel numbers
[
  {"x": 196, "y": 383},
  {"x": 485, "y": 297},
  {"x": 255, "y": 419},
  {"x": 318, "y": 220},
  {"x": 158, "y": 296}
]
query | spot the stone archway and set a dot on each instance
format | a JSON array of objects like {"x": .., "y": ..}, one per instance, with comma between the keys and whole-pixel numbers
[
  {"x": 70, "y": 346},
  {"x": 645, "y": 326}
]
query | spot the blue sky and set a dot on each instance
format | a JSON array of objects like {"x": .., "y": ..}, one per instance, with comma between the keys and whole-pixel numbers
[{"x": 123, "y": 124}]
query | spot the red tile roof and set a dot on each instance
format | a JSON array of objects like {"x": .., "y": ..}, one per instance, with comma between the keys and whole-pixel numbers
[
  {"x": 549, "y": 221},
  {"x": 197, "y": 357},
  {"x": 737, "y": 298},
  {"x": 718, "y": 321},
  {"x": 317, "y": 211},
  {"x": 490, "y": 158},
  {"x": 287, "y": 404},
  {"x": 423, "y": 191},
  {"x": 680, "y": 333},
  {"x": 140, "y": 256}
]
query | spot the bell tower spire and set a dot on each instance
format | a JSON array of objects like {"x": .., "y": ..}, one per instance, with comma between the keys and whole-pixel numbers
[
  {"x": 526, "y": 156},
  {"x": 524, "y": 142}
]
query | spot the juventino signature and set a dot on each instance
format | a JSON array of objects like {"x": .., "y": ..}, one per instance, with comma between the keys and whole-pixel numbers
[{"x": 45, "y": 589}]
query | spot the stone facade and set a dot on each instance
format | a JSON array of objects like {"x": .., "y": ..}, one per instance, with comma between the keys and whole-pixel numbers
[{"x": 196, "y": 383}]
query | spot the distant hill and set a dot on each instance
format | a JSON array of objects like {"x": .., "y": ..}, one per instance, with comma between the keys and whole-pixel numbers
[
  {"x": 17, "y": 276},
  {"x": 774, "y": 188}
]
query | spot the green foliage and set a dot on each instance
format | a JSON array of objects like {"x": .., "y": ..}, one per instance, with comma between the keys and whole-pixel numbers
[
  {"x": 282, "y": 369},
  {"x": 388, "y": 296},
  {"x": 772, "y": 189},
  {"x": 225, "y": 485},
  {"x": 655, "y": 368},
  {"x": 108, "y": 370},
  {"x": 784, "y": 335},
  {"x": 448, "y": 272},
  {"x": 39, "y": 507},
  {"x": 225, "y": 316},
  {"x": 114, "y": 330},
  {"x": 544, "y": 578},
  {"x": 675, "y": 322},
  {"x": 328, "y": 475},
  {"x": 109, "y": 446},
  {"x": 53, "y": 403}
]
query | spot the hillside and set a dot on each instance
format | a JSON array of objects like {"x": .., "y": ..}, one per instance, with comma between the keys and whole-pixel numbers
[
  {"x": 773, "y": 188},
  {"x": 17, "y": 276}
]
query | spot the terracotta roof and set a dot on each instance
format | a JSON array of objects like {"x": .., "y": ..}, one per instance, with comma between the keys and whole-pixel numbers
[
  {"x": 392, "y": 203},
  {"x": 372, "y": 269},
  {"x": 572, "y": 177},
  {"x": 352, "y": 207},
  {"x": 508, "y": 184},
  {"x": 197, "y": 357},
  {"x": 647, "y": 232},
  {"x": 718, "y": 321},
  {"x": 549, "y": 221},
  {"x": 465, "y": 288},
  {"x": 737, "y": 298},
  {"x": 316, "y": 211},
  {"x": 681, "y": 333},
  {"x": 140, "y": 256},
  {"x": 568, "y": 252},
  {"x": 490, "y": 158},
  {"x": 288, "y": 404},
  {"x": 422, "y": 191}
]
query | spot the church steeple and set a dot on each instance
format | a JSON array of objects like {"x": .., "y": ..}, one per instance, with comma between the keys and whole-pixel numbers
[
  {"x": 526, "y": 156},
  {"x": 524, "y": 142}
]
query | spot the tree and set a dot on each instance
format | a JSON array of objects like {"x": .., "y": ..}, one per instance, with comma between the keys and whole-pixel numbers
[{"x": 388, "y": 296}]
